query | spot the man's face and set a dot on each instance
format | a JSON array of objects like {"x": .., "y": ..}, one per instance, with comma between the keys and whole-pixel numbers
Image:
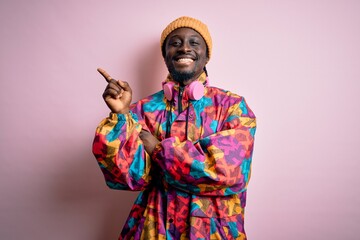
[{"x": 185, "y": 55}]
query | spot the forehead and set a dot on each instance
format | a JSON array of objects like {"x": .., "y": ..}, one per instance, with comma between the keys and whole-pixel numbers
[{"x": 185, "y": 32}]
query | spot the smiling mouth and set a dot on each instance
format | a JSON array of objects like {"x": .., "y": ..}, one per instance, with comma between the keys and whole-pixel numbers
[{"x": 184, "y": 60}]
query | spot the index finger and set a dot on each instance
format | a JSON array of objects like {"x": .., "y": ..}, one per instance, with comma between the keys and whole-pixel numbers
[{"x": 104, "y": 74}]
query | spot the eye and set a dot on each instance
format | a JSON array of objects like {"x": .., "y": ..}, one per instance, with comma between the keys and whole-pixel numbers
[
  {"x": 175, "y": 43},
  {"x": 194, "y": 42}
]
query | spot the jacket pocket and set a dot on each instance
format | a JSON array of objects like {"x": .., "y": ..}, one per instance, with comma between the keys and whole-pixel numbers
[{"x": 217, "y": 218}]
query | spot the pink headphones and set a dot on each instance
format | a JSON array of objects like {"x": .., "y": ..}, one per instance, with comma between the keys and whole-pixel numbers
[{"x": 195, "y": 90}]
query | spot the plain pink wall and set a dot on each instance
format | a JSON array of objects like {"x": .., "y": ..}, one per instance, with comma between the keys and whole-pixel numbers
[{"x": 296, "y": 62}]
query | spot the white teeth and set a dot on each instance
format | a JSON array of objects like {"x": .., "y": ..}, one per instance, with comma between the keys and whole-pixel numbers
[{"x": 185, "y": 60}]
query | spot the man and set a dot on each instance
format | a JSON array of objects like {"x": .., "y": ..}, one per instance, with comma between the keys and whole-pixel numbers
[{"x": 187, "y": 148}]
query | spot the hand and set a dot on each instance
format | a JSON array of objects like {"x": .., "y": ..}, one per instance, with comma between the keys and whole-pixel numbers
[
  {"x": 149, "y": 141},
  {"x": 117, "y": 94}
]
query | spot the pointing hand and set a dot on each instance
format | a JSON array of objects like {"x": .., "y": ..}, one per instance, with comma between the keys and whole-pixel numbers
[{"x": 117, "y": 94}]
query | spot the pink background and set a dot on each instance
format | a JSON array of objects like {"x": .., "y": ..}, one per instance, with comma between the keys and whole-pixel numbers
[{"x": 296, "y": 62}]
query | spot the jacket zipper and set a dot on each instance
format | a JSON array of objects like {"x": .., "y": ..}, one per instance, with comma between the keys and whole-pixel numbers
[{"x": 181, "y": 90}]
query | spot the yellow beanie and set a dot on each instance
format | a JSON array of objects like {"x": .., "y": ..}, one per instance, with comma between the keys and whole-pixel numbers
[{"x": 188, "y": 22}]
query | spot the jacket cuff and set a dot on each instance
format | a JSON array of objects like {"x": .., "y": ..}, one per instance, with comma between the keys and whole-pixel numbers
[{"x": 122, "y": 117}]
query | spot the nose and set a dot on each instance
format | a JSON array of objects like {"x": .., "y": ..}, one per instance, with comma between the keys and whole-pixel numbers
[{"x": 185, "y": 47}]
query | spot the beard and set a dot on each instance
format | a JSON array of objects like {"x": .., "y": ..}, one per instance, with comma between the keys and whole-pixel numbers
[{"x": 181, "y": 77}]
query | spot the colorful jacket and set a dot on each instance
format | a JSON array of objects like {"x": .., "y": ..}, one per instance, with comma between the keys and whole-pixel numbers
[{"x": 193, "y": 186}]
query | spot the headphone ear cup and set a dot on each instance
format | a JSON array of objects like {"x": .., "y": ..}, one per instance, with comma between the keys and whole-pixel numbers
[
  {"x": 196, "y": 90},
  {"x": 168, "y": 90}
]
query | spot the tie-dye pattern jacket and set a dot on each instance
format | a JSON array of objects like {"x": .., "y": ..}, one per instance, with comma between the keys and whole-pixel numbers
[{"x": 193, "y": 186}]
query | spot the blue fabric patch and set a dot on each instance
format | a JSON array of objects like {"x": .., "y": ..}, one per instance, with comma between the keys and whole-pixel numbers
[
  {"x": 139, "y": 199},
  {"x": 194, "y": 207},
  {"x": 213, "y": 125},
  {"x": 116, "y": 185},
  {"x": 115, "y": 132},
  {"x": 137, "y": 167},
  {"x": 156, "y": 103},
  {"x": 228, "y": 192},
  {"x": 233, "y": 229},
  {"x": 204, "y": 142},
  {"x": 131, "y": 222},
  {"x": 197, "y": 169},
  {"x": 243, "y": 107},
  {"x": 205, "y": 102},
  {"x": 252, "y": 132},
  {"x": 182, "y": 194},
  {"x": 245, "y": 168},
  {"x": 212, "y": 226}
]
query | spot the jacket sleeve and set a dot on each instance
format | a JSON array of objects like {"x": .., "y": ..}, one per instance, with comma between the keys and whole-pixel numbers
[
  {"x": 120, "y": 152},
  {"x": 218, "y": 164}
]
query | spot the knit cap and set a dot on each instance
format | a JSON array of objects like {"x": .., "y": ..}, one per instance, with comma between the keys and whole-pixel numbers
[{"x": 188, "y": 22}]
